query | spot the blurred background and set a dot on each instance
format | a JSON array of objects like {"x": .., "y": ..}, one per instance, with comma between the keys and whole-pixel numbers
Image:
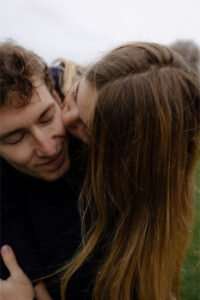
[{"x": 82, "y": 30}]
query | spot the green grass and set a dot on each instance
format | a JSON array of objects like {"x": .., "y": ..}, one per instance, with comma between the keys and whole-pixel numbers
[{"x": 190, "y": 278}]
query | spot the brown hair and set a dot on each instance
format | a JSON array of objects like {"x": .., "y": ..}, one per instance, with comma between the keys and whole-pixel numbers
[
  {"x": 138, "y": 192},
  {"x": 19, "y": 68}
]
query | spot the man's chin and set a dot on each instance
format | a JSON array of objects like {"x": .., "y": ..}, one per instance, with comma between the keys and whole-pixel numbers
[
  {"x": 44, "y": 174},
  {"x": 57, "y": 174}
]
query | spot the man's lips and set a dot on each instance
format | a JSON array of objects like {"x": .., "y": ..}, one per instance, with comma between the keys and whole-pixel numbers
[{"x": 54, "y": 162}]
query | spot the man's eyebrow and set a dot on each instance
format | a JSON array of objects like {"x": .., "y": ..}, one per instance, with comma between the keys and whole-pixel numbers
[
  {"x": 19, "y": 130},
  {"x": 51, "y": 105},
  {"x": 7, "y": 134}
]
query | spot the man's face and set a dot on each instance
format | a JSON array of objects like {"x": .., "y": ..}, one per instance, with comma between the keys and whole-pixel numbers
[{"x": 33, "y": 138}]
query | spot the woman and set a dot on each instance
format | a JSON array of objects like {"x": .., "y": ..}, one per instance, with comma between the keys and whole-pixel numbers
[{"x": 138, "y": 109}]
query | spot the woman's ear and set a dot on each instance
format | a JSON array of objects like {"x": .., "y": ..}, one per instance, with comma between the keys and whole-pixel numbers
[{"x": 57, "y": 98}]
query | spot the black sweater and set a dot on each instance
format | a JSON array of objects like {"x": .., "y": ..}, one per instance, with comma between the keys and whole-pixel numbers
[{"x": 40, "y": 221}]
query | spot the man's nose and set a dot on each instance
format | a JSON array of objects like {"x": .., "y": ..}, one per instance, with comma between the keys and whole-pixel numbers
[{"x": 46, "y": 145}]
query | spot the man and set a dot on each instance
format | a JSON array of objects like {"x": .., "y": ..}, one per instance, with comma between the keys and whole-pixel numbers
[{"x": 39, "y": 216}]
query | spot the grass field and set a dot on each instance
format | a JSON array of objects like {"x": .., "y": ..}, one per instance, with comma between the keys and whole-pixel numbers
[{"x": 190, "y": 279}]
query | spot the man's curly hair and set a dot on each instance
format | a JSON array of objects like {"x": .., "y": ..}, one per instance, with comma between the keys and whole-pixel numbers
[{"x": 19, "y": 68}]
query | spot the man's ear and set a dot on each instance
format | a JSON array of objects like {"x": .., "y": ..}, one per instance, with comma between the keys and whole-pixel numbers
[{"x": 57, "y": 98}]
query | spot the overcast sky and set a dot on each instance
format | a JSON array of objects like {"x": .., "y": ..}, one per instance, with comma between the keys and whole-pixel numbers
[{"x": 82, "y": 30}]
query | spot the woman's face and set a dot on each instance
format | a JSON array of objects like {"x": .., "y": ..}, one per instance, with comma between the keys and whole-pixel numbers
[{"x": 79, "y": 108}]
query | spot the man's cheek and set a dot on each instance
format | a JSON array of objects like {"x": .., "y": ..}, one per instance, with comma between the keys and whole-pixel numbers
[{"x": 21, "y": 161}]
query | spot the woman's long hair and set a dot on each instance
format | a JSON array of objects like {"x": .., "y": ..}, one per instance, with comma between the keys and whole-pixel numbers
[{"x": 137, "y": 200}]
